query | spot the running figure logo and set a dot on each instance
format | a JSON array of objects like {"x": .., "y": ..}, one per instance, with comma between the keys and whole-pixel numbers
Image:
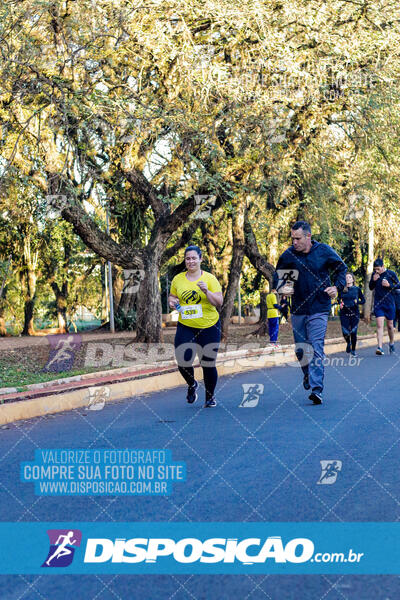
[
  {"x": 329, "y": 471},
  {"x": 98, "y": 397},
  {"x": 287, "y": 279},
  {"x": 251, "y": 394},
  {"x": 62, "y": 547},
  {"x": 204, "y": 205},
  {"x": 63, "y": 349},
  {"x": 132, "y": 279}
]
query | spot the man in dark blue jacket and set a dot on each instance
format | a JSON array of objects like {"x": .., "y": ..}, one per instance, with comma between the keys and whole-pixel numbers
[
  {"x": 384, "y": 282},
  {"x": 304, "y": 271}
]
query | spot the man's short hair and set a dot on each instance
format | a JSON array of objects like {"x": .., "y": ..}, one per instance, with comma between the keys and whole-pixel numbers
[
  {"x": 378, "y": 262},
  {"x": 302, "y": 225}
]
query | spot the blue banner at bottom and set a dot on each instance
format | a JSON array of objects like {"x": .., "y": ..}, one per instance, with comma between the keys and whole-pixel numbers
[{"x": 199, "y": 548}]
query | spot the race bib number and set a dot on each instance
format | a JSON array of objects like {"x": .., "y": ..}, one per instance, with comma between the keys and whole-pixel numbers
[{"x": 192, "y": 311}]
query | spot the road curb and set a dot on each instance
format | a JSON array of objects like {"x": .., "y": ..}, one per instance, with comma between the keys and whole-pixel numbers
[{"x": 14, "y": 408}]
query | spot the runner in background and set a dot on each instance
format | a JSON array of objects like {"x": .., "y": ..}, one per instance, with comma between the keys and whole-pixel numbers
[
  {"x": 273, "y": 316},
  {"x": 349, "y": 300},
  {"x": 196, "y": 294},
  {"x": 396, "y": 322},
  {"x": 384, "y": 282},
  {"x": 284, "y": 309}
]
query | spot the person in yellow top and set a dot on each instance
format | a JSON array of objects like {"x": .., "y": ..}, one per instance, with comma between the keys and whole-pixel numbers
[
  {"x": 196, "y": 294},
  {"x": 273, "y": 316}
]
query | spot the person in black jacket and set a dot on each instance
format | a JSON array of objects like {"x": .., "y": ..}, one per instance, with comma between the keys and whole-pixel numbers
[
  {"x": 349, "y": 300},
  {"x": 285, "y": 308},
  {"x": 396, "y": 296},
  {"x": 303, "y": 271},
  {"x": 384, "y": 282}
]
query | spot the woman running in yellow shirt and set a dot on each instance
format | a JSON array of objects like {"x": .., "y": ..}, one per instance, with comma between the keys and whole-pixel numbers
[{"x": 196, "y": 294}]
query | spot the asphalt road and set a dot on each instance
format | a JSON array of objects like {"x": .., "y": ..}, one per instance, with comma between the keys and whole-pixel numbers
[{"x": 259, "y": 463}]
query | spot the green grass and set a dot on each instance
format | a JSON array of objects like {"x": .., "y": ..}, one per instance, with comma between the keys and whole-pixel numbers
[{"x": 17, "y": 377}]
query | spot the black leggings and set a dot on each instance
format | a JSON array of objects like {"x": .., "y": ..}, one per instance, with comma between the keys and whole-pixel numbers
[
  {"x": 205, "y": 342},
  {"x": 349, "y": 325}
]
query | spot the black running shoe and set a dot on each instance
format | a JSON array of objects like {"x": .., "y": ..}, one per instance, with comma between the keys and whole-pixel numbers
[
  {"x": 210, "y": 403},
  {"x": 391, "y": 348},
  {"x": 315, "y": 397},
  {"x": 192, "y": 393},
  {"x": 353, "y": 353},
  {"x": 306, "y": 383},
  {"x": 379, "y": 351}
]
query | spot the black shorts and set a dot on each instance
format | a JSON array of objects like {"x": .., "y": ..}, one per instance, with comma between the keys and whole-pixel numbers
[{"x": 190, "y": 341}]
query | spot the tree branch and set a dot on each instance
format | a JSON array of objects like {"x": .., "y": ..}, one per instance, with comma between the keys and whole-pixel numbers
[
  {"x": 144, "y": 188},
  {"x": 97, "y": 240},
  {"x": 186, "y": 236},
  {"x": 253, "y": 254}
]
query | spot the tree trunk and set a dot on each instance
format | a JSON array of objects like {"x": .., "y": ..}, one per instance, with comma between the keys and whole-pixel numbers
[
  {"x": 30, "y": 299},
  {"x": 263, "y": 307},
  {"x": 235, "y": 268},
  {"x": 61, "y": 305},
  {"x": 148, "y": 328},
  {"x": 219, "y": 257},
  {"x": 3, "y": 330},
  {"x": 262, "y": 331},
  {"x": 118, "y": 283},
  {"x": 28, "y": 318},
  {"x": 62, "y": 318},
  {"x": 30, "y": 262},
  {"x": 367, "y": 308},
  {"x": 264, "y": 268},
  {"x": 227, "y": 253},
  {"x": 253, "y": 254},
  {"x": 127, "y": 302},
  {"x": 61, "y": 312},
  {"x": 125, "y": 312},
  {"x": 273, "y": 246},
  {"x": 3, "y": 282}
]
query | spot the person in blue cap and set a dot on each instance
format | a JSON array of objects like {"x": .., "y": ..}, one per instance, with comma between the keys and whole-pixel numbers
[
  {"x": 384, "y": 281},
  {"x": 310, "y": 265}
]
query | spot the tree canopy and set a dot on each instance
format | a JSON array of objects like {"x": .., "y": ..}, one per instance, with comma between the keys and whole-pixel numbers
[{"x": 197, "y": 120}]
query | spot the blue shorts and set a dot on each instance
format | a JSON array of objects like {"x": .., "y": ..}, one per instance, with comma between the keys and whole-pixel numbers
[{"x": 389, "y": 312}]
